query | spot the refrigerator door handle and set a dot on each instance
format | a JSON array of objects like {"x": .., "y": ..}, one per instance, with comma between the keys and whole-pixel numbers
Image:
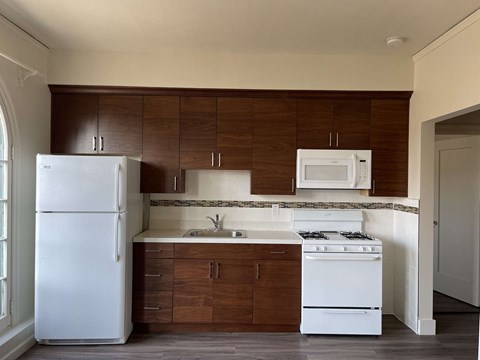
[
  {"x": 117, "y": 187},
  {"x": 115, "y": 239}
]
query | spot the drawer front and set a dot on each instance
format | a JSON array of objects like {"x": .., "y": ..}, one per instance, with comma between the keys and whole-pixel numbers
[
  {"x": 213, "y": 251},
  {"x": 278, "y": 252},
  {"x": 153, "y": 275},
  {"x": 153, "y": 250},
  {"x": 341, "y": 321},
  {"x": 152, "y": 307}
]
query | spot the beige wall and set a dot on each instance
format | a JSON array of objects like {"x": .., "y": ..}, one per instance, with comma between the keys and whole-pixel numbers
[
  {"x": 204, "y": 69},
  {"x": 446, "y": 84},
  {"x": 27, "y": 110}
]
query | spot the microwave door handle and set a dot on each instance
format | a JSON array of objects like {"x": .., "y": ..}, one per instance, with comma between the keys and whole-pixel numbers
[{"x": 354, "y": 175}]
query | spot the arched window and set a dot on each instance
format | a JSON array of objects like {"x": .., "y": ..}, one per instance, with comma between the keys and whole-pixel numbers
[{"x": 5, "y": 250}]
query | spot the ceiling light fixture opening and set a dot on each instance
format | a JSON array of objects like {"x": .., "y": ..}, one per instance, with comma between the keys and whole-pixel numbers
[{"x": 394, "y": 41}]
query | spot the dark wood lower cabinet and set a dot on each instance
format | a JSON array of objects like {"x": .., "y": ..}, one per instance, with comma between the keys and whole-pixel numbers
[
  {"x": 192, "y": 291},
  {"x": 217, "y": 287},
  {"x": 277, "y": 292},
  {"x": 233, "y": 291}
]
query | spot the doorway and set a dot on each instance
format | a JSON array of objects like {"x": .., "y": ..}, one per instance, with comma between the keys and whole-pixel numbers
[{"x": 456, "y": 273}]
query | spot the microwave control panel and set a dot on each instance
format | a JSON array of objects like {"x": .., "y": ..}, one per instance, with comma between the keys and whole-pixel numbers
[{"x": 363, "y": 171}]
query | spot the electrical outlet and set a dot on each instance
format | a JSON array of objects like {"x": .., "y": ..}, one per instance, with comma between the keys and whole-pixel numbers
[{"x": 275, "y": 209}]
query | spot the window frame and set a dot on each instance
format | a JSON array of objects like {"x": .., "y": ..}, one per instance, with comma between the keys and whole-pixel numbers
[{"x": 6, "y": 318}]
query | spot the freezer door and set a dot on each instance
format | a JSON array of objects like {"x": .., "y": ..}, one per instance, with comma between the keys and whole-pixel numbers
[
  {"x": 80, "y": 283},
  {"x": 70, "y": 183}
]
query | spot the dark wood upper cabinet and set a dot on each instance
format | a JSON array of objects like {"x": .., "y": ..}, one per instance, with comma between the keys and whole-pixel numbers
[
  {"x": 352, "y": 124},
  {"x": 198, "y": 132},
  {"x": 274, "y": 147},
  {"x": 96, "y": 124},
  {"x": 74, "y": 124},
  {"x": 234, "y": 133},
  {"x": 161, "y": 139},
  {"x": 389, "y": 144},
  {"x": 120, "y": 124},
  {"x": 333, "y": 124},
  {"x": 314, "y": 124},
  {"x": 216, "y": 133}
]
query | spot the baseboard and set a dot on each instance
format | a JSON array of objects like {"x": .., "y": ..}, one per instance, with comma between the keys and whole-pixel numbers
[
  {"x": 426, "y": 326},
  {"x": 17, "y": 340}
]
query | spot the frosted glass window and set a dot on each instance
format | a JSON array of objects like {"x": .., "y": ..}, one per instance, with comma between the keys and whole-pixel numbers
[{"x": 326, "y": 172}]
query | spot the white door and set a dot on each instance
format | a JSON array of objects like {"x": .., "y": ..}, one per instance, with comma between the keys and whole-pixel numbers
[
  {"x": 456, "y": 234},
  {"x": 69, "y": 183},
  {"x": 79, "y": 276}
]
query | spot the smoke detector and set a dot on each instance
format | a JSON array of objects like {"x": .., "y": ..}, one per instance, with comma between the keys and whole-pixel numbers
[{"x": 394, "y": 41}]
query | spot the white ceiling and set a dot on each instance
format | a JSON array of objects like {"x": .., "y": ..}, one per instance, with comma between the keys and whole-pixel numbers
[{"x": 264, "y": 26}]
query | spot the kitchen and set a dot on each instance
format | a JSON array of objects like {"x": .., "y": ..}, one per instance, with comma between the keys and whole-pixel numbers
[{"x": 190, "y": 68}]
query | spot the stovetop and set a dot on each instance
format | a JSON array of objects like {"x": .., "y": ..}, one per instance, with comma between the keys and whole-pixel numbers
[
  {"x": 313, "y": 237},
  {"x": 332, "y": 227}
]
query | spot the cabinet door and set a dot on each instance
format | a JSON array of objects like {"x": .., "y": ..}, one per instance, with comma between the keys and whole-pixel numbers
[
  {"x": 315, "y": 124},
  {"x": 233, "y": 292},
  {"x": 352, "y": 124},
  {"x": 192, "y": 291},
  {"x": 120, "y": 124},
  {"x": 277, "y": 292},
  {"x": 389, "y": 144},
  {"x": 198, "y": 132},
  {"x": 274, "y": 147},
  {"x": 161, "y": 156},
  {"x": 234, "y": 133},
  {"x": 74, "y": 124}
]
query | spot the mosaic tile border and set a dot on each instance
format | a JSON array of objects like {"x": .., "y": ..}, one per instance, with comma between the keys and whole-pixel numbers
[{"x": 284, "y": 204}]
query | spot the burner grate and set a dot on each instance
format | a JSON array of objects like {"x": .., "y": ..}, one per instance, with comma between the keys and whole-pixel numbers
[{"x": 356, "y": 235}]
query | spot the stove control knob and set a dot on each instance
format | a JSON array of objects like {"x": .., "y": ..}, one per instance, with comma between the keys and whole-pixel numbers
[{"x": 344, "y": 248}]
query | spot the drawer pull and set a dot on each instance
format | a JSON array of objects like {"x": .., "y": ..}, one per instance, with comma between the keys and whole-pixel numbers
[
  {"x": 153, "y": 275},
  {"x": 153, "y": 251},
  {"x": 152, "y": 308},
  {"x": 278, "y": 252},
  {"x": 258, "y": 272}
]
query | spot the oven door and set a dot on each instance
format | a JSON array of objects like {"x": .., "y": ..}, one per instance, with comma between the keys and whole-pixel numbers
[{"x": 342, "y": 280}]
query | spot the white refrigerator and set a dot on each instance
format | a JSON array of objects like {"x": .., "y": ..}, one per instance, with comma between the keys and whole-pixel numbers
[{"x": 88, "y": 208}]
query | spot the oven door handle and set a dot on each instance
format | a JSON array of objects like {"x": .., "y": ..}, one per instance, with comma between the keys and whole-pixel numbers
[
  {"x": 344, "y": 257},
  {"x": 353, "y": 312}
]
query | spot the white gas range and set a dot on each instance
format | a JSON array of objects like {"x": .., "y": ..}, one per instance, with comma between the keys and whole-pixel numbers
[{"x": 341, "y": 273}]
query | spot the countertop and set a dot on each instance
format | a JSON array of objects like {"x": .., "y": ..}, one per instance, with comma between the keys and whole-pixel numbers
[{"x": 253, "y": 237}]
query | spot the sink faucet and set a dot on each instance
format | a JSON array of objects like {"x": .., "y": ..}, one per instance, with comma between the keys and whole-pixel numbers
[{"x": 216, "y": 222}]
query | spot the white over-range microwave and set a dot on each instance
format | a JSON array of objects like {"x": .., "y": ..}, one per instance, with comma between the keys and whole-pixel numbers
[{"x": 334, "y": 169}]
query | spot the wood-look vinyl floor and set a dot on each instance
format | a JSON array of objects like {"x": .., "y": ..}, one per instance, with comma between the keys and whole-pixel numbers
[
  {"x": 446, "y": 304},
  {"x": 456, "y": 339}
]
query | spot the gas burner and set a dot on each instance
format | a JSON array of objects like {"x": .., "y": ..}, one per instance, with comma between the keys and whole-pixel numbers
[
  {"x": 356, "y": 235},
  {"x": 312, "y": 235}
]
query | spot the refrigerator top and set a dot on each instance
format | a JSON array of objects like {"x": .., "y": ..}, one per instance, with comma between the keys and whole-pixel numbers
[{"x": 77, "y": 183}]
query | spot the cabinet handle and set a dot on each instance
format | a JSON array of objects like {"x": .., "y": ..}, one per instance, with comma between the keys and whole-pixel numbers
[
  {"x": 257, "y": 276},
  {"x": 101, "y": 143},
  {"x": 293, "y": 185},
  {"x": 373, "y": 186},
  {"x": 218, "y": 270},
  {"x": 153, "y": 275},
  {"x": 152, "y": 308},
  {"x": 337, "y": 139},
  {"x": 153, "y": 251},
  {"x": 330, "y": 139},
  {"x": 94, "y": 143},
  {"x": 278, "y": 252},
  {"x": 175, "y": 183},
  {"x": 213, "y": 159},
  {"x": 210, "y": 270},
  {"x": 219, "y": 159}
]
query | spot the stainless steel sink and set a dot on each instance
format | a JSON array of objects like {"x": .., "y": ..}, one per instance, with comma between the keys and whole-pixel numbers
[{"x": 216, "y": 234}]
